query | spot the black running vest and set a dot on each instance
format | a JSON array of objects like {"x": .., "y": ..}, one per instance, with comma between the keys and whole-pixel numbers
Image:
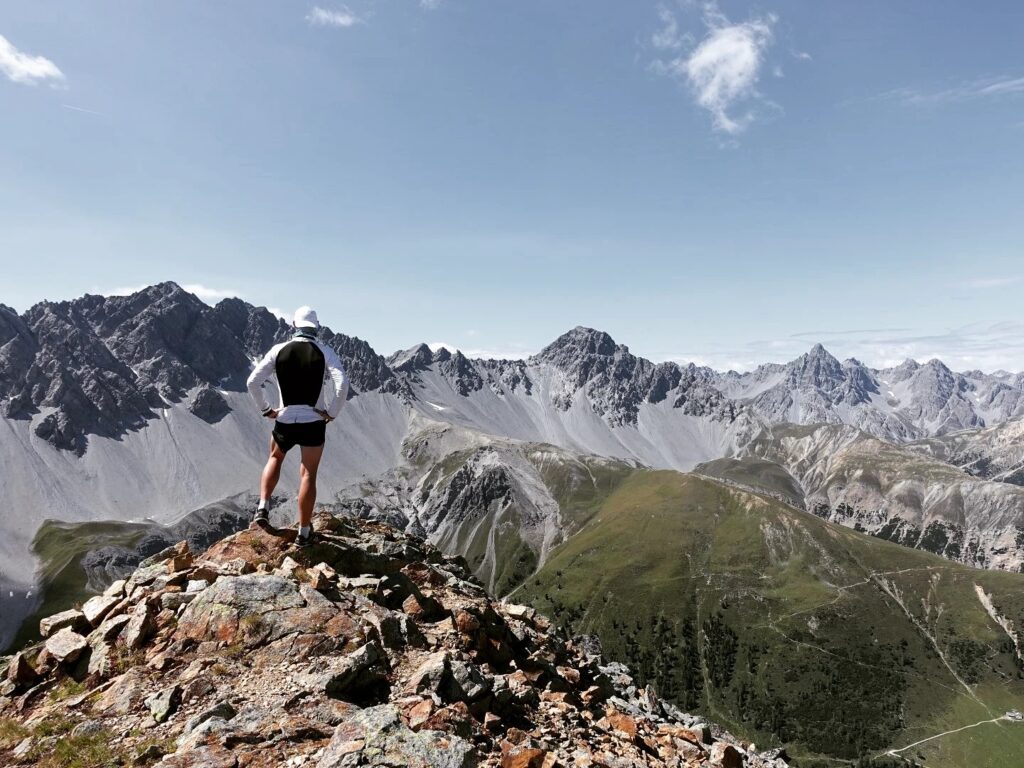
[{"x": 300, "y": 370}]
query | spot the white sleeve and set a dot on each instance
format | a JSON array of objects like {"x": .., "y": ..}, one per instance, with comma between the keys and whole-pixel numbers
[
  {"x": 339, "y": 377},
  {"x": 261, "y": 375}
]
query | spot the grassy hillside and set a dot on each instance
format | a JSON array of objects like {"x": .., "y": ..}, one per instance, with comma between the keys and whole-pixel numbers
[
  {"x": 756, "y": 474},
  {"x": 501, "y": 512},
  {"x": 793, "y": 630},
  {"x": 60, "y": 548}
]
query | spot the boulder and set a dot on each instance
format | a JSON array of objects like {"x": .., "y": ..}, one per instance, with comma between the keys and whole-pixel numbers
[
  {"x": 111, "y": 627},
  {"x": 20, "y": 672},
  {"x": 164, "y": 703},
  {"x": 725, "y": 756},
  {"x": 97, "y": 608},
  {"x": 222, "y": 710},
  {"x": 431, "y": 673},
  {"x": 71, "y": 618},
  {"x": 66, "y": 646},
  {"x": 116, "y": 589},
  {"x": 141, "y": 624},
  {"x": 467, "y": 683},
  {"x": 172, "y": 601}
]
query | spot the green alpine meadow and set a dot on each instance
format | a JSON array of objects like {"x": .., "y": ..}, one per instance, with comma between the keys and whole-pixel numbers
[{"x": 794, "y": 631}]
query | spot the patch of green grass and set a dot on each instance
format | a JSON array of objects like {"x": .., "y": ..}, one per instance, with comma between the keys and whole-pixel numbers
[
  {"x": 12, "y": 733},
  {"x": 60, "y": 548},
  {"x": 124, "y": 659},
  {"x": 93, "y": 751},
  {"x": 67, "y": 688},
  {"x": 756, "y": 473}
]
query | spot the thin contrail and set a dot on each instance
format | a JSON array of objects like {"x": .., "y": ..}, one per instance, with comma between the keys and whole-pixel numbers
[{"x": 82, "y": 109}]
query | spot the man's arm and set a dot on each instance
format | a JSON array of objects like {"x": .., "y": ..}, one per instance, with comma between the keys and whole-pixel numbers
[
  {"x": 340, "y": 379},
  {"x": 261, "y": 375}
]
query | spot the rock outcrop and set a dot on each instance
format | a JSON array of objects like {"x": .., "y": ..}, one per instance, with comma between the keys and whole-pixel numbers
[{"x": 369, "y": 648}]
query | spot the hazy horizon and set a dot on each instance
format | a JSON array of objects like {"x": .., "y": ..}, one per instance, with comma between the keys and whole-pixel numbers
[{"x": 796, "y": 347}]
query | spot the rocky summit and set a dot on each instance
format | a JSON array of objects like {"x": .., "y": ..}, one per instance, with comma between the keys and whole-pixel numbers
[{"x": 370, "y": 648}]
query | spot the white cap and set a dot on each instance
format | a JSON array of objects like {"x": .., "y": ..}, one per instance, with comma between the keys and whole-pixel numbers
[{"x": 305, "y": 317}]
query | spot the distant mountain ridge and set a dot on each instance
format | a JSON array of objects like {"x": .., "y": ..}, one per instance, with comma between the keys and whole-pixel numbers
[{"x": 104, "y": 365}]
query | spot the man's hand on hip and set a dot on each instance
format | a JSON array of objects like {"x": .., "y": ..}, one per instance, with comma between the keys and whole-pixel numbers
[
  {"x": 271, "y": 414},
  {"x": 325, "y": 416}
]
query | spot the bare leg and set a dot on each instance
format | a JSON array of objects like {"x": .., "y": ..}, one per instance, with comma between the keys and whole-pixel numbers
[
  {"x": 271, "y": 472},
  {"x": 307, "y": 482}
]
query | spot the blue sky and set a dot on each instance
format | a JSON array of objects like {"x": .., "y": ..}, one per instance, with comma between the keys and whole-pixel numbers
[{"x": 726, "y": 183}]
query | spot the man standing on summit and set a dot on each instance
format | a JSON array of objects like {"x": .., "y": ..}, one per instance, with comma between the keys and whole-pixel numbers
[{"x": 301, "y": 366}]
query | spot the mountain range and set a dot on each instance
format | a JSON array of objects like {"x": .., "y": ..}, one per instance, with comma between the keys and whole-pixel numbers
[
  {"x": 125, "y": 426},
  {"x": 126, "y": 407}
]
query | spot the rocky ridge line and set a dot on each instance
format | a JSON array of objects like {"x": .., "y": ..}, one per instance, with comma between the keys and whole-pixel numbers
[{"x": 370, "y": 648}]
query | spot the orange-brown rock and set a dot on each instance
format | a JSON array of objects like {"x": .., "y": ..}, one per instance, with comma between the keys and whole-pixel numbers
[
  {"x": 524, "y": 757},
  {"x": 621, "y": 722}
]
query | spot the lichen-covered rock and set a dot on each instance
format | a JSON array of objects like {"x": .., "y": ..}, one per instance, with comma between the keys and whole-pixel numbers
[
  {"x": 164, "y": 703},
  {"x": 377, "y": 737}
]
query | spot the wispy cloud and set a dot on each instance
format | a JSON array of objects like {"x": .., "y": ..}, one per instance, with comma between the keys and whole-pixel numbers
[
  {"x": 983, "y": 88},
  {"x": 340, "y": 17},
  {"x": 209, "y": 294},
  {"x": 483, "y": 353},
  {"x": 81, "y": 109},
  {"x": 983, "y": 283},
  {"x": 25, "y": 68},
  {"x": 124, "y": 290},
  {"x": 668, "y": 38},
  {"x": 430, "y": 4},
  {"x": 723, "y": 69}
]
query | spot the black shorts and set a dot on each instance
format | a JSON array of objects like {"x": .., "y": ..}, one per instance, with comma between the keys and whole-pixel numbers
[{"x": 308, "y": 434}]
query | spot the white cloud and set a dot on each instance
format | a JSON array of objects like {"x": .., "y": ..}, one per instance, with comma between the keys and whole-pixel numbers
[
  {"x": 723, "y": 70},
  {"x": 27, "y": 69},
  {"x": 208, "y": 294},
  {"x": 124, "y": 290},
  {"x": 341, "y": 17},
  {"x": 430, "y": 4},
  {"x": 668, "y": 37}
]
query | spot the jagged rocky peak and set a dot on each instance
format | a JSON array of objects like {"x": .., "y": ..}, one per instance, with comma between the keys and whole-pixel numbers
[
  {"x": 903, "y": 371},
  {"x": 257, "y": 328},
  {"x": 460, "y": 371},
  {"x": 417, "y": 358},
  {"x": 369, "y": 648},
  {"x": 104, "y": 363},
  {"x": 580, "y": 342},
  {"x": 819, "y": 362}
]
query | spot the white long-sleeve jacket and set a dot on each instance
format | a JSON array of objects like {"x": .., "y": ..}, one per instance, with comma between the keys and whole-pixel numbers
[{"x": 310, "y": 377}]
